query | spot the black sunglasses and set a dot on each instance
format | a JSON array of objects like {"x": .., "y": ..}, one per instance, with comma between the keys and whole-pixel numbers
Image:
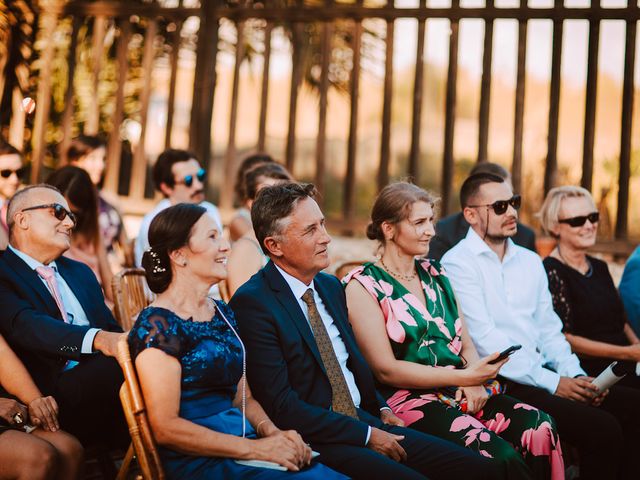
[
  {"x": 6, "y": 173},
  {"x": 500, "y": 207},
  {"x": 58, "y": 211},
  {"x": 581, "y": 220},
  {"x": 201, "y": 175}
]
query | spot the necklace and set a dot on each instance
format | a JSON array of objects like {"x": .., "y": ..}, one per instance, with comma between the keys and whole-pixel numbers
[
  {"x": 589, "y": 271},
  {"x": 400, "y": 276}
]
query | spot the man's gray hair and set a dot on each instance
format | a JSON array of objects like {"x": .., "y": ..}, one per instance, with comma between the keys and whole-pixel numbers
[{"x": 20, "y": 199}]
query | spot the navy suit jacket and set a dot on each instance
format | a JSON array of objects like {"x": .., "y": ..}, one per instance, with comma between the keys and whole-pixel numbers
[
  {"x": 450, "y": 230},
  {"x": 32, "y": 323},
  {"x": 284, "y": 367}
]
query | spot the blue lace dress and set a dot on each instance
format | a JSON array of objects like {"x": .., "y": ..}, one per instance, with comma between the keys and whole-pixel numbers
[{"x": 211, "y": 359}]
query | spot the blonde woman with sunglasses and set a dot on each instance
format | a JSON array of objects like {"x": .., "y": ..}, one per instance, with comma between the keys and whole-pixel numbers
[{"x": 584, "y": 294}]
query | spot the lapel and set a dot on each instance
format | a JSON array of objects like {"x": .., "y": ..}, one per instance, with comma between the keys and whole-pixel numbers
[
  {"x": 32, "y": 279},
  {"x": 78, "y": 285},
  {"x": 284, "y": 295}
]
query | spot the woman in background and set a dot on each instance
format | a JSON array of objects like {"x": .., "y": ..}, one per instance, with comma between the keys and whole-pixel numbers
[
  {"x": 86, "y": 243},
  {"x": 246, "y": 256}
]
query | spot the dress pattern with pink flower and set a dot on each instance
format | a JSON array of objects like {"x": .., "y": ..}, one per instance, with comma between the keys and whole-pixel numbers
[{"x": 522, "y": 438}]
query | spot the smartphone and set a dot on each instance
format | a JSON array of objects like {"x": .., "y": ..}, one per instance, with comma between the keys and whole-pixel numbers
[{"x": 506, "y": 353}]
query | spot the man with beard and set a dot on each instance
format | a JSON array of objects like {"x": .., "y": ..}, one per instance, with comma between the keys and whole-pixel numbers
[
  {"x": 11, "y": 170},
  {"x": 179, "y": 176},
  {"x": 503, "y": 292}
]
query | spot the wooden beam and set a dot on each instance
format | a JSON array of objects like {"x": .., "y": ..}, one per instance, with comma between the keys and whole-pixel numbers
[
  {"x": 296, "y": 80},
  {"x": 174, "y": 57},
  {"x": 551, "y": 171},
  {"x": 591, "y": 97},
  {"x": 518, "y": 128},
  {"x": 416, "y": 117},
  {"x": 264, "y": 95},
  {"x": 67, "y": 116},
  {"x": 92, "y": 125},
  {"x": 485, "y": 90},
  {"x": 321, "y": 139},
  {"x": 385, "y": 141}
]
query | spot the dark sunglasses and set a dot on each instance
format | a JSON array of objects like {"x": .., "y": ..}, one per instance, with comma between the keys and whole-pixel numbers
[
  {"x": 500, "y": 207},
  {"x": 201, "y": 175},
  {"x": 58, "y": 211},
  {"x": 6, "y": 173},
  {"x": 581, "y": 220}
]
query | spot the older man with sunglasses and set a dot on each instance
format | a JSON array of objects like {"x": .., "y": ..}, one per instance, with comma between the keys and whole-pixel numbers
[
  {"x": 180, "y": 178},
  {"x": 54, "y": 317},
  {"x": 503, "y": 292},
  {"x": 11, "y": 171}
]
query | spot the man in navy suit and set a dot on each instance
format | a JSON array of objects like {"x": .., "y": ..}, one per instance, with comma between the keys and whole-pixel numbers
[
  {"x": 54, "y": 317},
  {"x": 304, "y": 366}
]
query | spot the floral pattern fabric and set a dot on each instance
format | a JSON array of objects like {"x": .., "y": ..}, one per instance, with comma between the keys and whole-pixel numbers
[{"x": 521, "y": 437}]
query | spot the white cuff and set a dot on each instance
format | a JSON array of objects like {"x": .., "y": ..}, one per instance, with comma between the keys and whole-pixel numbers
[
  {"x": 368, "y": 436},
  {"x": 87, "y": 341}
]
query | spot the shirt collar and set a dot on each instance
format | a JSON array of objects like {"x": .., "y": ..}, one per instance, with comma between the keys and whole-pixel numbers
[
  {"x": 297, "y": 287},
  {"x": 479, "y": 247},
  {"x": 30, "y": 261}
]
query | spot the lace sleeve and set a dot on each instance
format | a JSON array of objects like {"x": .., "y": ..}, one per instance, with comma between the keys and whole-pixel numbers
[
  {"x": 155, "y": 328},
  {"x": 559, "y": 294}
]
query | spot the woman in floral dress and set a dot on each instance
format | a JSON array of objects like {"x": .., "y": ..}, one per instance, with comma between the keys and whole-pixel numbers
[{"x": 406, "y": 321}]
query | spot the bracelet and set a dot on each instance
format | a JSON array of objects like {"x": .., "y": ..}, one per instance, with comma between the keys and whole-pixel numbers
[{"x": 259, "y": 424}]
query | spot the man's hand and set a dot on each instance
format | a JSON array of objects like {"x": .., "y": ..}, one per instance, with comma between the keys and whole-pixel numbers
[
  {"x": 9, "y": 408},
  {"x": 43, "y": 412},
  {"x": 579, "y": 389},
  {"x": 107, "y": 342},
  {"x": 601, "y": 395},
  {"x": 389, "y": 418},
  {"x": 387, "y": 444}
]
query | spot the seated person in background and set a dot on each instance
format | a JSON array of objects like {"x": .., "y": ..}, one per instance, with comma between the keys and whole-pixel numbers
[
  {"x": 241, "y": 221},
  {"x": 11, "y": 170},
  {"x": 504, "y": 295},
  {"x": 47, "y": 452},
  {"x": 89, "y": 153},
  {"x": 584, "y": 295},
  {"x": 54, "y": 318},
  {"x": 246, "y": 256},
  {"x": 405, "y": 319},
  {"x": 86, "y": 242},
  {"x": 450, "y": 230},
  {"x": 630, "y": 290},
  {"x": 180, "y": 178},
  {"x": 190, "y": 362},
  {"x": 304, "y": 365}
]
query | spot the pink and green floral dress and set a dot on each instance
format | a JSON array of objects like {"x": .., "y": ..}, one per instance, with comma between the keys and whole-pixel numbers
[{"x": 521, "y": 437}]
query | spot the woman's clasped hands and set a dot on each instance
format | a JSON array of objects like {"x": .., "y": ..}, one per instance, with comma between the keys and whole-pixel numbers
[{"x": 284, "y": 447}]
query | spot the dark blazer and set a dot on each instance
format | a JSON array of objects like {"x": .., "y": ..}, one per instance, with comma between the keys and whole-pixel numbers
[
  {"x": 450, "y": 230},
  {"x": 32, "y": 323},
  {"x": 284, "y": 367}
]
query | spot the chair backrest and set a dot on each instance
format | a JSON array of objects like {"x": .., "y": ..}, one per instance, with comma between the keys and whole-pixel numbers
[
  {"x": 130, "y": 295},
  {"x": 345, "y": 267},
  {"x": 136, "y": 414}
]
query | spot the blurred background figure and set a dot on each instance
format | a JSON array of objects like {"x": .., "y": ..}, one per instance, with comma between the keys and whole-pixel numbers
[
  {"x": 11, "y": 171},
  {"x": 241, "y": 221},
  {"x": 246, "y": 256},
  {"x": 87, "y": 244},
  {"x": 450, "y": 230},
  {"x": 89, "y": 153},
  {"x": 630, "y": 290},
  {"x": 584, "y": 294}
]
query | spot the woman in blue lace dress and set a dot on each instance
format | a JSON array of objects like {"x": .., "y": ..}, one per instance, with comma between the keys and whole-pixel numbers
[{"x": 191, "y": 364}]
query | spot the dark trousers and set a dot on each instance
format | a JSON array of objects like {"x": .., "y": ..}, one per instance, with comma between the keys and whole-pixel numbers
[
  {"x": 427, "y": 456},
  {"x": 607, "y": 437},
  {"x": 89, "y": 404}
]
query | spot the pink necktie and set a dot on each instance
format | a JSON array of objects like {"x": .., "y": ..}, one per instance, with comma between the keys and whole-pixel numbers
[{"x": 49, "y": 276}]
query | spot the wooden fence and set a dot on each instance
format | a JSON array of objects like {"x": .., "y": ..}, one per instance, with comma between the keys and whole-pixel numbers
[{"x": 298, "y": 13}]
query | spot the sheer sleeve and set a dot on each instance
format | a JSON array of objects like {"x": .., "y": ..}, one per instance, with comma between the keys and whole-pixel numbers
[
  {"x": 559, "y": 295},
  {"x": 156, "y": 328}
]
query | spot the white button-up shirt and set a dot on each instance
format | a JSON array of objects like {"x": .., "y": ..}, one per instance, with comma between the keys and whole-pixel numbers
[{"x": 506, "y": 303}]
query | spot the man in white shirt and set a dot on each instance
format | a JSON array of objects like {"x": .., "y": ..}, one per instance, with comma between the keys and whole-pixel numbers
[
  {"x": 503, "y": 292},
  {"x": 304, "y": 366},
  {"x": 179, "y": 176}
]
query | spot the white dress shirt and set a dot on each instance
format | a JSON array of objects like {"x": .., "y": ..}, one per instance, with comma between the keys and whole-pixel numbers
[
  {"x": 142, "y": 241},
  {"x": 75, "y": 312},
  {"x": 506, "y": 303}
]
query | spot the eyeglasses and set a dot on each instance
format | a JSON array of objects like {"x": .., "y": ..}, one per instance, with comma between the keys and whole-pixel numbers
[
  {"x": 7, "y": 172},
  {"x": 581, "y": 220},
  {"x": 500, "y": 207},
  {"x": 188, "y": 180},
  {"x": 58, "y": 211}
]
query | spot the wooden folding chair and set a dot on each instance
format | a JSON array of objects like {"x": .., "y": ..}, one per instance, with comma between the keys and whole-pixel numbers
[
  {"x": 143, "y": 445},
  {"x": 345, "y": 267},
  {"x": 130, "y": 295}
]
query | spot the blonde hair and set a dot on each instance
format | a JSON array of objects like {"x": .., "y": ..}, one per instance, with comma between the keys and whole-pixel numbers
[{"x": 550, "y": 211}]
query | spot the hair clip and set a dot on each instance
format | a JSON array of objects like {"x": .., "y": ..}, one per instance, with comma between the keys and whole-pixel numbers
[{"x": 157, "y": 263}]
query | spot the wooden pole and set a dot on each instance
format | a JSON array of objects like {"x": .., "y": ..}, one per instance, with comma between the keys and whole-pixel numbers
[
  {"x": 485, "y": 90},
  {"x": 264, "y": 96},
  {"x": 173, "y": 80},
  {"x": 518, "y": 129},
  {"x": 67, "y": 116},
  {"x": 92, "y": 126},
  {"x": 321, "y": 139},
  {"x": 591, "y": 97},
  {"x": 416, "y": 117},
  {"x": 385, "y": 141},
  {"x": 296, "y": 80},
  {"x": 551, "y": 171}
]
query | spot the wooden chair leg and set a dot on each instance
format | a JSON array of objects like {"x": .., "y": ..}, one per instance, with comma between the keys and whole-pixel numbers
[{"x": 126, "y": 464}]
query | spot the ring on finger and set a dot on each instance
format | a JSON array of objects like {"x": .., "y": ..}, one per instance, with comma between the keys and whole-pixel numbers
[{"x": 18, "y": 419}]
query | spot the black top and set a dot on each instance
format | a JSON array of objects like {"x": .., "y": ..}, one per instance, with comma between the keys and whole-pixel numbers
[{"x": 589, "y": 304}]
